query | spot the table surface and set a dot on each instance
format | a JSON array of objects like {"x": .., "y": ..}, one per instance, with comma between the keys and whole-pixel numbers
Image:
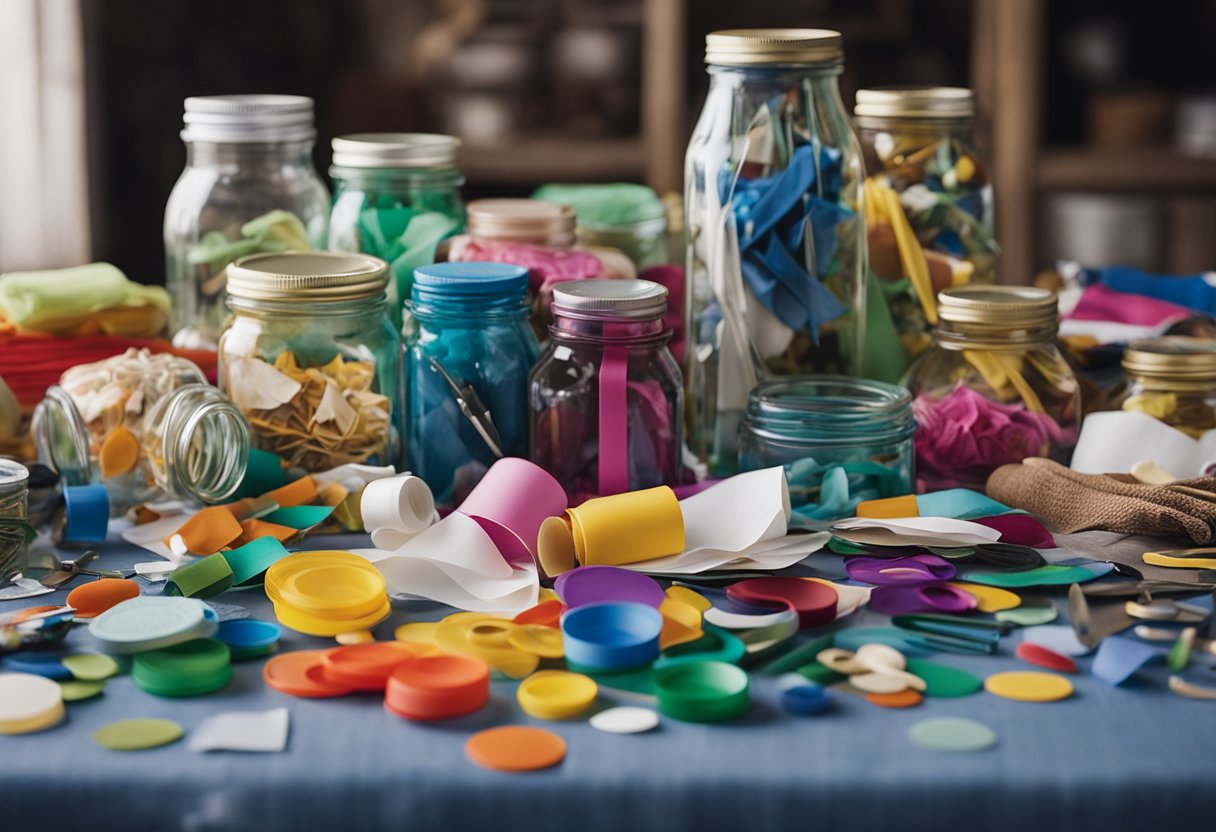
[{"x": 1134, "y": 757}]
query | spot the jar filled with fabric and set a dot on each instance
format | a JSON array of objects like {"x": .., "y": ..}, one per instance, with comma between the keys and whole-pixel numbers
[
  {"x": 312, "y": 360},
  {"x": 15, "y": 531},
  {"x": 841, "y": 440},
  {"x": 623, "y": 216},
  {"x": 147, "y": 426},
  {"x": 396, "y": 197},
  {"x": 928, "y": 205},
  {"x": 606, "y": 396},
  {"x": 1172, "y": 379},
  {"x": 993, "y": 388},
  {"x": 249, "y": 186},
  {"x": 775, "y": 246},
  {"x": 468, "y": 352}
]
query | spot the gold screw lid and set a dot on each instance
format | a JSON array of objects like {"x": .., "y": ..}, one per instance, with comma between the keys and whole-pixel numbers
[
  {"x": 522, "y": 220},
  {"x": 1013, "y": 307},
  {"x": 307, "y": 276},
  {"x": 933, "y": 103},
  {"x": 746, "y": 47},
  {"x": 1174, "y": 357}
]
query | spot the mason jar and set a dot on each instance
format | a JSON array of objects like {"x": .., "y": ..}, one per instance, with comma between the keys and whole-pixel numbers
[
  {"x": 396, "y": 197},
  {"x": 775, "y": 245},
  {"x": 841, "y": 441},
  {"x": 249, "y": 186},
  {"x": 15, "y": 531},
  {"x": 468, "y": 352},
  {"x": 993, "y": 388},
  {"x": 619, "y": 215},
  {"x": 1172, "y": 379},
  {"x": 312, "y": 360},
  {"x": 606, "y": 396},
  {"x": 928, "y": 201},
  {"x": 147, "y": 426}
]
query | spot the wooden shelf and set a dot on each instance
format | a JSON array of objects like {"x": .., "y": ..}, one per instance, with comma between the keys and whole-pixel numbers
[
  {"x": 1125, "y": 169},
  {"x": 539, "y": 160}
]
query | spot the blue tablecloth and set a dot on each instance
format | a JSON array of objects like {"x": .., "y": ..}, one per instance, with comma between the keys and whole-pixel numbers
[{"x": 1132, "y": 758}]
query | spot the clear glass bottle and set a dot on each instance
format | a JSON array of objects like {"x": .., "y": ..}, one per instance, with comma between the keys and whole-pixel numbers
[
  {"x": 775, "y": 245},
  {"x": 249, "y": 186},
  {"x": 924, "y": 177},
  {"x": 311, "y": 359},
  {"x": 606, "y": 396},
  {"x": 841, "y": 440},
  {"x": 145, "y": 425},
  {"x": 15, "y": 531},
  {"x": 1172, "y": 379},
  {"x": 993, "y": 388},
  {"x": 468, "y": 351},
  {"x": 396, "y": 197}
]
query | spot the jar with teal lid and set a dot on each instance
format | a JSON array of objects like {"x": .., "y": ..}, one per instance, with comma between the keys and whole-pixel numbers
[
  {"x": 468, "y": 351},
  {"x": 312, "y": 360},
  {"x": 841, "y": 440},
  {"x": 621, "y": 215},
  {"x": 396, "y": 197}
]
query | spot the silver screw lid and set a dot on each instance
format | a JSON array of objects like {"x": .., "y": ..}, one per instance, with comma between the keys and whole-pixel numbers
[
  {"x": 248, "y": 118},
  {"x": 395, "y": 150},
  {"x": 626, "y": 299}
]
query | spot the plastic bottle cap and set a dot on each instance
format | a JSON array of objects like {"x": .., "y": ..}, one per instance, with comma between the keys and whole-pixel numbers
[
  {"x": 28, "y": 703},
  {"x": 301, "y": 674},
  {"x": 625, "y": 720},
  {"x": 612, "y": 636},
  {"x": 365, "y": 666},
  {"x": 515, "y": 748},
  {"x": 151, "y": 622},
  {"x": 438, "y": 687},
  {"x": 87, "y": 513},
  {"x": 556, "y": 694},
  {"x": 702, "y": 691}
]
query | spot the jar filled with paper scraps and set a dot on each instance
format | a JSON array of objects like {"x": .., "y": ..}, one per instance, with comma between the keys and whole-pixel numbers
[{"x": 1172, "y": 379}]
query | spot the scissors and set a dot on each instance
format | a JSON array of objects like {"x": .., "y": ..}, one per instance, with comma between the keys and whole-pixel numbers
[{"x": 473, "y": 408}]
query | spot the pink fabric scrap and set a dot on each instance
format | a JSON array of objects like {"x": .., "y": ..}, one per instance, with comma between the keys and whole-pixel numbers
[{"x": 1099, "y": 303}]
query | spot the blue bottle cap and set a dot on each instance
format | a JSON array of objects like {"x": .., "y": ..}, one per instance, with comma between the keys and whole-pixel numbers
[
  {"x": 87, "y": 515},
  {"x": 471, "y": 279}
]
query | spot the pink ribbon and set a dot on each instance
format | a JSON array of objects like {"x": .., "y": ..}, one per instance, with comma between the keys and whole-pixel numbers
[{"x": 614, "y": 428}]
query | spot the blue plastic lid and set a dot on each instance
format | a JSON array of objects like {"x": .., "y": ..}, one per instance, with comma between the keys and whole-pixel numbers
[{"x": 478, "y": 279}]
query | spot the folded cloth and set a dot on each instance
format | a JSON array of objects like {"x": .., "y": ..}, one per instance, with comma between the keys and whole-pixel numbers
[
  {"x": 1101, "y": 303},
  {"x": 1068, "y": 501},
  {"x": 85, "y": 300}
]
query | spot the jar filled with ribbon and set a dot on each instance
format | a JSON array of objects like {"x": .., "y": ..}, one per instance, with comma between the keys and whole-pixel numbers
[
  {"x": 775, "y": 246},
  {"x": 620, "y": 215},
  {"x": 312, "y": 359},
  {"x": 147, "y": 426},
  {"x": 1172, "y": 379},
  {"x": 928, "y": 207},
  {"x": 841, "y": 440},
  {"x": 540, "y": 236},
  {"x": 396, "y": 197},
  {"x": 993, "y": 388},
  {"x": 249, "y": 186},
  {"x": 606, "y": 395},
  {"x": 468, "y": 352}
]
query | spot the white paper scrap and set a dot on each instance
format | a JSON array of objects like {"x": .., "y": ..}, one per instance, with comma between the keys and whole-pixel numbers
[
  {"x": 242, "y": 731},
  {"x": 1111, "y": 443}
]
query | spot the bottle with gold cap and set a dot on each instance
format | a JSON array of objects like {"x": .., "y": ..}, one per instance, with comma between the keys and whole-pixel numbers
[
  {"x": 928, "y": 205},
  {"x": 1172, "y": 379},
  {"x": 993, "y": 388},
  {"x": 774, "y": 240}
]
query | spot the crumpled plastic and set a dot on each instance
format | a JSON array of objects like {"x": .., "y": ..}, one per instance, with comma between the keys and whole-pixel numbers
[{"x": 93, "y": 299}]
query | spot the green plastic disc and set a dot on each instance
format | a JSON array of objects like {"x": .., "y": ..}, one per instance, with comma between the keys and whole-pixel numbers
[
  {"x": 138, "y": 734},
  {"x": 943, "y": 681},
  {"x": 702, "y": 691},
  {"x": 1050, "y": 575},
  {"x": 1033, "y": 612},
  {"x": 75, "y": 690},
  {"x": 820, "y": 674},
  {"x": 952, "y": 733},
  {"x": 90, "y": 667}
]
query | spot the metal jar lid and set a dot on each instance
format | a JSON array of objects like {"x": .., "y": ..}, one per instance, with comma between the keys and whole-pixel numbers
[
  {"x": 621, "y": 299},
  {"x": 1173, "y": 357},
  {"x": 395, "y": 150},
  {"x": 929, "y": 103},
  {"x": 307, "y": 276},
  {"x": 1012, "y": 307},
  {"x": 522, "y": 220},
  {"x": 746, "y": 47},
  {"x": 248, "y": 118}
]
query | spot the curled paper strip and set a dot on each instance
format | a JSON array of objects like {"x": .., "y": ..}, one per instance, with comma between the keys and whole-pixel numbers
[
  {"x": 511, "y": 502},
  {"x": 395, "y": 509}
]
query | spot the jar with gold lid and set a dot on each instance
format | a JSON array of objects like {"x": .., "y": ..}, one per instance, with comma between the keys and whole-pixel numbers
[
  {"x": 1172, "y": 379},
  {"x": 311, "y": 359},
  {"x": 928, "y": 213},
  {"x": 993, "y": 388}
]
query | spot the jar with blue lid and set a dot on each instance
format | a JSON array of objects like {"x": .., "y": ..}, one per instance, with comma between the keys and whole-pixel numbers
[
  {"x": 468, "y": 351},
  {"x": 841, "y": 440}
]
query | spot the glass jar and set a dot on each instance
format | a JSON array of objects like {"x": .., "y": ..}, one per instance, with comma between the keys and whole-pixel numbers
[
  {"x": 249, "y": 186},
  {"x": 623, "y": 216},
  {"x": 606, "y": 396},
  {"x": 775, "y": 246},
  {"x": 468, "y": 351},
  {"x": 993, "y": 388},
  {"x": 396, "y": 197},
  {"x": 928, "y": 212},
  {"x": 1172, "y": 379},
  {"x": 310, "y": 357},
  {"x": 147, "y": 426},
  {"x": 15, "y": 531},
  {"x": 841, "y": 441}
]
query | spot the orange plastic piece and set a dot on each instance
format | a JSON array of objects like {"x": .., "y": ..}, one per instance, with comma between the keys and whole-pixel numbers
[
  {"x": 253, "y": 529},
  {"x": 907, "y": 698},
  {"x": 143, "y": 515},
  {"x": 119, "y": 452},
  {"x": 301, "y": 492},
  {"x": 889, "y": 508},
  {"x": 302, "y": 674},
  {"x": 208, "y": 531},
  {"x": 546, "y": 613},
  {"x": 515, "y": 748},
  {"x": 92, "y": 599}
]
